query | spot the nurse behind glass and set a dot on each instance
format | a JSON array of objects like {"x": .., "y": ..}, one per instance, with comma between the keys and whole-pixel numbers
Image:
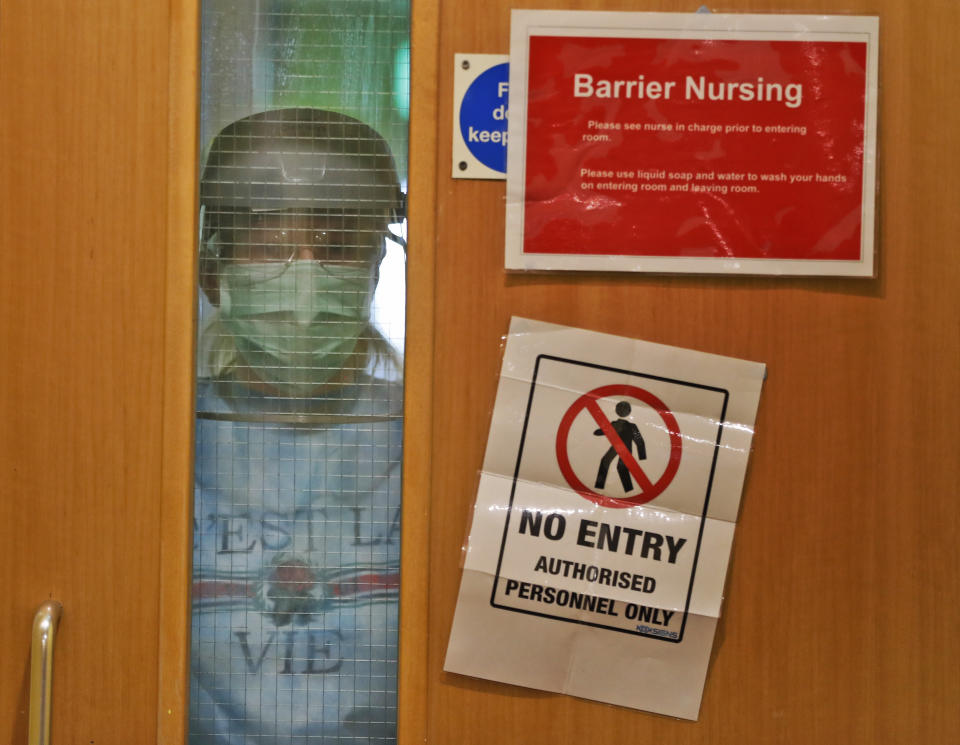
[{"x": 296, "y": 551}]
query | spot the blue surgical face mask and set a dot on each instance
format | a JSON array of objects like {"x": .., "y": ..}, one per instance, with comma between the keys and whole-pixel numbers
[{"x": 296, "y": 324}]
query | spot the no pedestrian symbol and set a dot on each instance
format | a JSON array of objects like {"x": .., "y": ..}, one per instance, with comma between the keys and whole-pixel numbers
[{"x": 626, "y": 446}]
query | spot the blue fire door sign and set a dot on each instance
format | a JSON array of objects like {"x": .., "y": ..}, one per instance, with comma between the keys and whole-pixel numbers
[{"x": 481, "y": 90}]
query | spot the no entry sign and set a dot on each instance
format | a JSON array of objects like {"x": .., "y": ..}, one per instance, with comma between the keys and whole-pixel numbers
[
  {"x": 692, "y": 143},
  {"x": 605, "y": 513},
  {"x": 626, "y": 445}
]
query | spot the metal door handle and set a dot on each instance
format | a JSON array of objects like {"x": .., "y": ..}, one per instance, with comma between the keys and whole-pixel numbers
[{"x": 45, "y": 624}]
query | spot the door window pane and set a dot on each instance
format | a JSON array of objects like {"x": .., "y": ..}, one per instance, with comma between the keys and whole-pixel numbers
[{"x": 304, "y": 108}]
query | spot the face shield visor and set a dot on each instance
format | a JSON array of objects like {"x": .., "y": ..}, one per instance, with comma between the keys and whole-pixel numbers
[{"x": 296, "y": 205}]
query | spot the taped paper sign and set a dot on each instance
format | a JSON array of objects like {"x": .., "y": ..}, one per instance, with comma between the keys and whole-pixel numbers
[{"x": 604, "y": 517}]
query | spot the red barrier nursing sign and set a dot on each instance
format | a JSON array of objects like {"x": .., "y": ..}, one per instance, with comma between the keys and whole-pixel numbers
[{"x": 692, "y": 143}]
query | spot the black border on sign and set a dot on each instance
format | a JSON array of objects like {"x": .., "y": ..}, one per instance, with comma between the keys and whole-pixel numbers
[{"x": 516, "y": 474}]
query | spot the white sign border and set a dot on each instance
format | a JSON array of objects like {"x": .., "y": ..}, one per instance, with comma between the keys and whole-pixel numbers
[{"x": 527, "y": 23}]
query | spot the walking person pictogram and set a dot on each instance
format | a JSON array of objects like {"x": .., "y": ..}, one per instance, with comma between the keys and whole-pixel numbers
[
  {"x": 623, "y": 440},
  {"x": 630, "y": 435}
]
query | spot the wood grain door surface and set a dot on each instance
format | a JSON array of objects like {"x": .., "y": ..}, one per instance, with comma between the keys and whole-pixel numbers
[
  {"x": 93, "y": 472},
  {"x": 842, "y": 603}
]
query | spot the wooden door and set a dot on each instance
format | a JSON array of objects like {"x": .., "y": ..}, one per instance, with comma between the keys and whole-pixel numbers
[
  {"x": 96, "y": 296},
  {"x": 849, "y": 510},
  {"x": 843, "y": 600}
]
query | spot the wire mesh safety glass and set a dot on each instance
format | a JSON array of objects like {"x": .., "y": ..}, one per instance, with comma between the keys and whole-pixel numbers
[{"x": 304, "y": 122}]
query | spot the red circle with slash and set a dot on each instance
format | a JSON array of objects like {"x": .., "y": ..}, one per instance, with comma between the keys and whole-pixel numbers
[{"x": 649, "y": 490}]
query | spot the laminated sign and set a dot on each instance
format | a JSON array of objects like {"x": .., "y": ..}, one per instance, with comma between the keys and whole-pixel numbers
[
  {"x": 604, "y": 518},
  {"x": 674, "y": 142}
]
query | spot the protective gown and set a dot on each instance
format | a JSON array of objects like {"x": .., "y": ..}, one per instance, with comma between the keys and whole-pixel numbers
[{"x": 296, "y": 566}]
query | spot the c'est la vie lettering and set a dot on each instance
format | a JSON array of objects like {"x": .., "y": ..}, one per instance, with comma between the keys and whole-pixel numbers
[{"x": 603, "y": 536}]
